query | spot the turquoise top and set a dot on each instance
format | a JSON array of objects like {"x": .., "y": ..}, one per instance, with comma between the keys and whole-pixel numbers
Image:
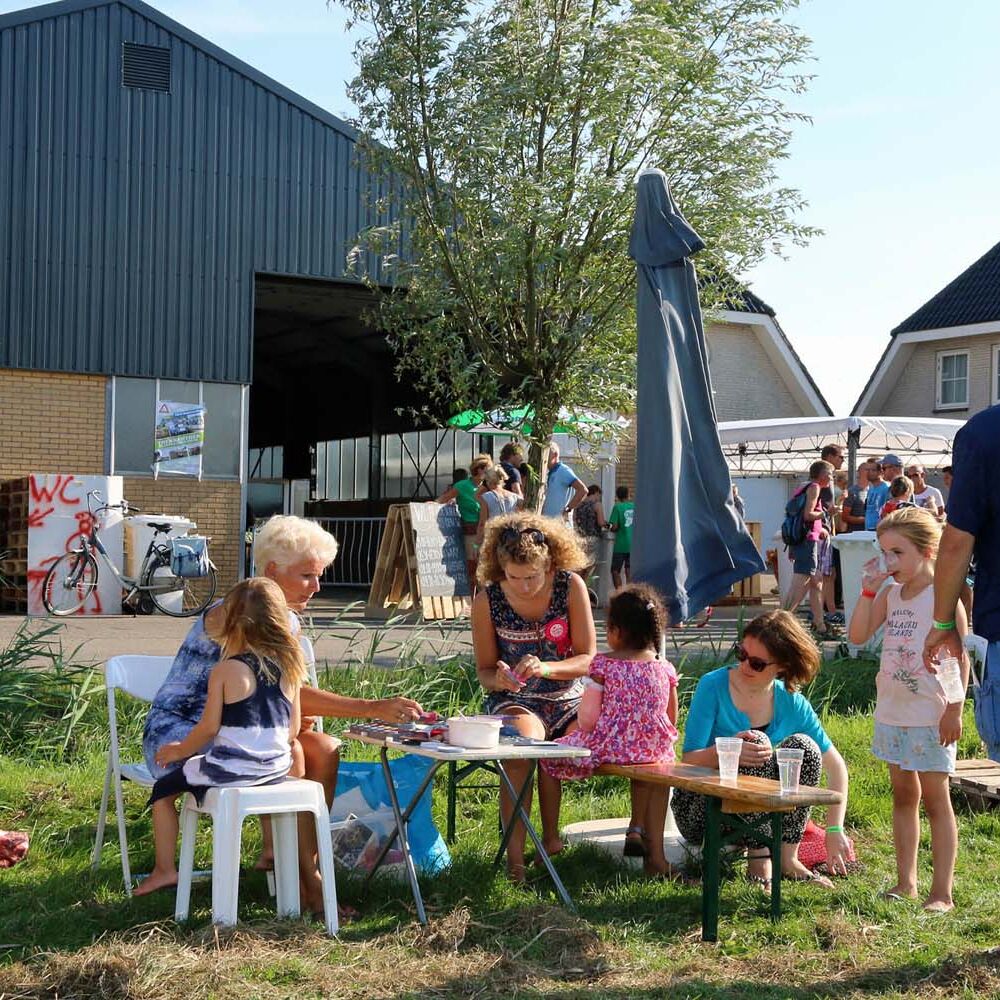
[{"x": 712, "y": 713}]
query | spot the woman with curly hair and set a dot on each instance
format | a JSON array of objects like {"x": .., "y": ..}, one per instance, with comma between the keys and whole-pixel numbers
[{"x": 533, "y": 636}]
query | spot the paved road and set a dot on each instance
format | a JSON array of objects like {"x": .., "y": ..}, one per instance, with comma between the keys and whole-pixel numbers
[{"x": 341, "y": 634}]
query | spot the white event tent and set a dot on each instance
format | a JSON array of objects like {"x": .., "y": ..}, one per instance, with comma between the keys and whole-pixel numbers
[{"x": 787, "y": 446}]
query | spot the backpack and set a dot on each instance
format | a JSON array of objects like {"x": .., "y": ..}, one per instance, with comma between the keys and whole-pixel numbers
[{"x": 794, "y": 528}]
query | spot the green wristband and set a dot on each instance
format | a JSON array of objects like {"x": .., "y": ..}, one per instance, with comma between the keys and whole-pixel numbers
[
  {"x": 544, "y": 669},
  {"x": 944, "y": 626},
  {"x": 834, "y": 829}
]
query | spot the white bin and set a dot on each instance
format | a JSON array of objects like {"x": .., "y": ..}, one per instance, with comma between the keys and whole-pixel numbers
[
  {"x": 856, "y": 548},
  {"x": 785, "y": 569},
  {"x": 139, "y": 534}
]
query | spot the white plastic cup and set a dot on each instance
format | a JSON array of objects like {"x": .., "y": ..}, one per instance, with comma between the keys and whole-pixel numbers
[
  {"x": 949, "y": 672},
  {"x": 789, "y": 768},
  {"x": 728, "y": 749}
]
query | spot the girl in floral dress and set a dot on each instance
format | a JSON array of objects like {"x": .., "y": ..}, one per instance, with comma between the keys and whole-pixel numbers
[
  {"x": 628, "y": 715},
  {"x": 916, "y": 727}
]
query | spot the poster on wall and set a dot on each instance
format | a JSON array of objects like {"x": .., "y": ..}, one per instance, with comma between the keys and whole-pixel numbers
[{"x": 179, "y": 437}]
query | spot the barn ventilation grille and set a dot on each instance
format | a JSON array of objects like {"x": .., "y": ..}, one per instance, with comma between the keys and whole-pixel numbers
[{"x": 146, "y": 67}]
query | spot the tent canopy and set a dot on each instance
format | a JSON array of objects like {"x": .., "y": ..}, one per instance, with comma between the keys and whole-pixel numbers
[{"x": 789, "y": 445}]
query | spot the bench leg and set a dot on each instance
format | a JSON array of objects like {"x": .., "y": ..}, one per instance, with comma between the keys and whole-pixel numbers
[
  {"x": 776, "y": 866},
  {"x": 452, "y": 796},
  {"x": 710, "y": 859}
]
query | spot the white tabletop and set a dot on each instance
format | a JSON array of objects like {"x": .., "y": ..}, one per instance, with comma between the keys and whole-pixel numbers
[{"x": 533, "y": 750}]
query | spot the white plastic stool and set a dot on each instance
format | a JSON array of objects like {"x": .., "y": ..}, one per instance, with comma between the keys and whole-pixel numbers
[{"x": 229, "y": 807}]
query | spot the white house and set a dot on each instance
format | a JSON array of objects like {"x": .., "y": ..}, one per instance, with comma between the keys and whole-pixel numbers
[{"x": 944, "y": 360}]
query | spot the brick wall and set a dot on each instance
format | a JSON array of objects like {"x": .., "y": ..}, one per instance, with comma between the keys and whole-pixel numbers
[
  {"x": 213, "y": 505},
  {"x": 746, "y": 383},
  {"x": 51, "y": 422},
  {"x": 914, "y": 393}
]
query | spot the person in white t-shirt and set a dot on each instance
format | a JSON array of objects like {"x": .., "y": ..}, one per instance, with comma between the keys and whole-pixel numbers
[{"x": 925, "y": 496}]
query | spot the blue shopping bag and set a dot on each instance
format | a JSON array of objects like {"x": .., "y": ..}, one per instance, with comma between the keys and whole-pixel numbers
[{"x": 361, "y": 783}]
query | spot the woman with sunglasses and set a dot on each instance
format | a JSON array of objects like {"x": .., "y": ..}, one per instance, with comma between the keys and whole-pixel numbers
[
  {"x": 757, "y": 699},
  {"x": 533, "y": 636}
]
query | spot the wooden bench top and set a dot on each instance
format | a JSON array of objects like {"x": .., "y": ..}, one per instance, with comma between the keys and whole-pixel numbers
[{"x": 746, "y": 794}]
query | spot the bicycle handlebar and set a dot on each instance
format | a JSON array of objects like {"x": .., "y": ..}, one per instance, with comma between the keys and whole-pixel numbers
[{"x": 124, "y": 506}]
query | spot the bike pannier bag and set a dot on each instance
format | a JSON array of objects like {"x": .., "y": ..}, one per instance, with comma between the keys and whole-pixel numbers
[{"x": 189, "y": 556}]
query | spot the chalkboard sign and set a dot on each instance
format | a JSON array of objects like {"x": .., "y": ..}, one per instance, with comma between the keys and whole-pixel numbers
[{"x": 439, "y": 548}]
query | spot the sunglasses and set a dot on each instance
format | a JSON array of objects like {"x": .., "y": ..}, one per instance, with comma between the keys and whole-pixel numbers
[
  {"x": 511, "y": 536},
  {"x": 756, "y": 663}
]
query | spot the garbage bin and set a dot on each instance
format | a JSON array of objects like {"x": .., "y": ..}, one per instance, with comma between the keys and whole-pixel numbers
[
  {"x": 785, "y": 572},
  {"x": 856, "y": 548},
  {"x": 138, "y": 535}
]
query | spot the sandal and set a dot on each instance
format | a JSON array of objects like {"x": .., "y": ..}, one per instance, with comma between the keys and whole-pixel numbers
[
  {"x": 755, "y": 878},
  {"x": 810, "y": 877},
  {"x": 635, "y": 846}
]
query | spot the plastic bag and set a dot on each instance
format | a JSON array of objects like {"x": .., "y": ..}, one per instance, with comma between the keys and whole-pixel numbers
[
  {"x": 189, "y": 556},
  {"x": 361, "y": 802}
]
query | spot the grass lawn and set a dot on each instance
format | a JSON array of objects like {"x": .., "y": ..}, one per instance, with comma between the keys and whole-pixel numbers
[{"x": 67, "y": 932}]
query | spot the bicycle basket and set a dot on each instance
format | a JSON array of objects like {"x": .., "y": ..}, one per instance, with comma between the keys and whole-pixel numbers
[{"x": 189, "y": 556}]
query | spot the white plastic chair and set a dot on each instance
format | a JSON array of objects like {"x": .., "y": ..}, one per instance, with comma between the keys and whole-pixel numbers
[
  {"x": 977, "y": 647},
  {"x": 228, "y": 808},
  {"x": 141, "y": 677}
]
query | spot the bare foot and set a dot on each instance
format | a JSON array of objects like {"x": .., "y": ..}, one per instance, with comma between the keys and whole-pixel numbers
[
  {"x": 934, "y": 905},
  {"x": 552, "y": 848},
  {"x": 898, "y": 892},
  {"x": 155, "y": 880},
  {"x": 516, "y": 871},
  {"x": 797, "y": 872}
]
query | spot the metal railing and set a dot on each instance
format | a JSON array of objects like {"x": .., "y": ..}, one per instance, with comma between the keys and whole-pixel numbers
[{"x": 358, "y": 539}]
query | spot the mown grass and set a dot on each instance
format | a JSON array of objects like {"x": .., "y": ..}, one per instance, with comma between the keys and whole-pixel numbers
[{"x": 67, "y": 932}]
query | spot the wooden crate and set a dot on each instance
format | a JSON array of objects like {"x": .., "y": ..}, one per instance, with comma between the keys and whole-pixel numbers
[
  {"x": 978, "y": 780},
  {"x": 746, "y": 591}
]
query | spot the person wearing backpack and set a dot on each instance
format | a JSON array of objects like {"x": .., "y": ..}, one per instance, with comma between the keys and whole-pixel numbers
[{"x": 801, "y": 531}]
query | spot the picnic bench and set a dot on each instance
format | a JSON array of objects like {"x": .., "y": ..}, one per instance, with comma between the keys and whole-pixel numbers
[{"x": 727, "y": 800}]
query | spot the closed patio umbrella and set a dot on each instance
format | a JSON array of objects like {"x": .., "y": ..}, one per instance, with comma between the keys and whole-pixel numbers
[{"x": 688, "y": 540}]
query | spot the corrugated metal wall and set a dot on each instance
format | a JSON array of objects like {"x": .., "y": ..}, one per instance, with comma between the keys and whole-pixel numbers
[{"x": 132, "y": 221}]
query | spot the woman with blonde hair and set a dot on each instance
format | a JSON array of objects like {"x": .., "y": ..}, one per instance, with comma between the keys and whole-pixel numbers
[
  {"x": 533, "y": 636},
  {"x": 494, "y": 499},
  {"x": 757, "y": 699}
]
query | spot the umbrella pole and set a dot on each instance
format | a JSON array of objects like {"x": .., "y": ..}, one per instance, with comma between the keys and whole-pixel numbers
[{"x": 853, "y": 443}]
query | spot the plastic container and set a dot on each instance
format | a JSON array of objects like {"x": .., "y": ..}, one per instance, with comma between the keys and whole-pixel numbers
[
  {"x": 728, "y": 749},
  {"x": 949, "y": 672},
  {"x": 789, "y": 768},
  {"x": 475, "y": 732}
]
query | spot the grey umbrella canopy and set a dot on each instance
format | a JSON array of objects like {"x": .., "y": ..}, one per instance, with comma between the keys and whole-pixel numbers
[{"x": 688, "y": 540}]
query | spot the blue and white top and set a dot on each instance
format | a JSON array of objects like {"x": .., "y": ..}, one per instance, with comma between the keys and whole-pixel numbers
[{"x": 252, "y": 745}]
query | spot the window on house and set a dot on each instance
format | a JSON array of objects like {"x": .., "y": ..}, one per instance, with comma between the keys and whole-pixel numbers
[
  {"x": 133, "y": 404},
  {"x": 996, "y": 374},
  {"x": 342, "y": 469},
  {"x": 952, "y": 380}
]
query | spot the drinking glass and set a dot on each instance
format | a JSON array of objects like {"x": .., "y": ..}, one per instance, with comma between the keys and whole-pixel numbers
[
  {"x": 728, "y": 748},
  {"x": 789, "y": 768}
]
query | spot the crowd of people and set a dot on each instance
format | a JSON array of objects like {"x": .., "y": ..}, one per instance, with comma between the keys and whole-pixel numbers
[{"x": 236, "y": 709}]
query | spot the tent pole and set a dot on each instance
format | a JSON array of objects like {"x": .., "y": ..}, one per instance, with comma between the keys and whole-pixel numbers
[{"x": 853, "y": 443}]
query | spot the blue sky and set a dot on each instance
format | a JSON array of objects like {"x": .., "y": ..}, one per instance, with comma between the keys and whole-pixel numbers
[{"x": 900, "y": 164}]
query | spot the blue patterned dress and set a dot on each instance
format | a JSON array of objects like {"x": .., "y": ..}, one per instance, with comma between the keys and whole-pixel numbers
[
  {"x": 554, "y": 702},
  {"x": 178, "y": 704}
]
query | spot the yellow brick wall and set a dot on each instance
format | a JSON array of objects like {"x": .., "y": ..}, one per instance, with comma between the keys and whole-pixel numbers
[
  {"x": 51, "y": 422},
  {"x": 625, "y": 469},
  {"x": 212, "y": 504}
]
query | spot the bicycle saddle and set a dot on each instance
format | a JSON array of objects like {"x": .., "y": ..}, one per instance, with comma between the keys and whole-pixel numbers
[{"x": 160, "y": 526}]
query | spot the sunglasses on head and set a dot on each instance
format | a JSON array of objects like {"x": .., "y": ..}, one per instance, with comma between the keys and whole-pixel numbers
[
  {"x": 756, "y": 663},
  {"x": 511, "y": 536}
]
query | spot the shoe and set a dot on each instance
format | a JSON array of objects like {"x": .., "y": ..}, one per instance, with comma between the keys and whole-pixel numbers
[
  {"x": 834, "y": 617},
  {"x": 634, "y": 846}
]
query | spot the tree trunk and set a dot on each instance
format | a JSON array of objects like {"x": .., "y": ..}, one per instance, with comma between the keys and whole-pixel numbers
[{"x": 538, "y": 455}]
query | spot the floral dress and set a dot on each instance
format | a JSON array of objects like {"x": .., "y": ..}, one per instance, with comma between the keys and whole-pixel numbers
[
  {"x": 633, "y": 727},
  {"x": 555, "y": 702}
]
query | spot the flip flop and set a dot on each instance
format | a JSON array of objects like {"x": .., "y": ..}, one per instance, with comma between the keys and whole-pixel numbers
[
  {"x": 895, "y": 897},
  {"x": 634, "y": 846}
]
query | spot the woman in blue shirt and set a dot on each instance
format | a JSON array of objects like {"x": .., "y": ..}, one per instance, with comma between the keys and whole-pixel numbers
[{"x": 757, "y": 700}]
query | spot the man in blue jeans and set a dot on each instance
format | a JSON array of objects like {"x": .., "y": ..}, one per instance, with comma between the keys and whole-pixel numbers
[{"x": 973, "y": 528}]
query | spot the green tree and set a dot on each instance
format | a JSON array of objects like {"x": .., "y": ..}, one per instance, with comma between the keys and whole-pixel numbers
[{"x": 515, "y": 130}]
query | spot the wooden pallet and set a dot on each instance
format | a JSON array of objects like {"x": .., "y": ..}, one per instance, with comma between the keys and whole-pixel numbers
[{"x": 977, "y": 779}]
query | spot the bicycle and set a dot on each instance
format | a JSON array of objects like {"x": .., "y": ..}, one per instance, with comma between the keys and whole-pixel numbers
[{"x": 73, "y": 577}]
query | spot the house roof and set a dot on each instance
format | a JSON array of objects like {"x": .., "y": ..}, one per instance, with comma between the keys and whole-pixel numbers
[
  {"x": 973, "y": 297},
  {"x": 64, "y": 7}
]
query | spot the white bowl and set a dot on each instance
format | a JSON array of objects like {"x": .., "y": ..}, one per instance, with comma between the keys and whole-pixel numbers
[{"x": 475, "y": 732}]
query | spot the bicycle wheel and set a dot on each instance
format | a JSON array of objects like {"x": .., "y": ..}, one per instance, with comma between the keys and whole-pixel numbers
[
  {"x": 71, "y": 579},
  {"x": 177, "y": 596}
]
